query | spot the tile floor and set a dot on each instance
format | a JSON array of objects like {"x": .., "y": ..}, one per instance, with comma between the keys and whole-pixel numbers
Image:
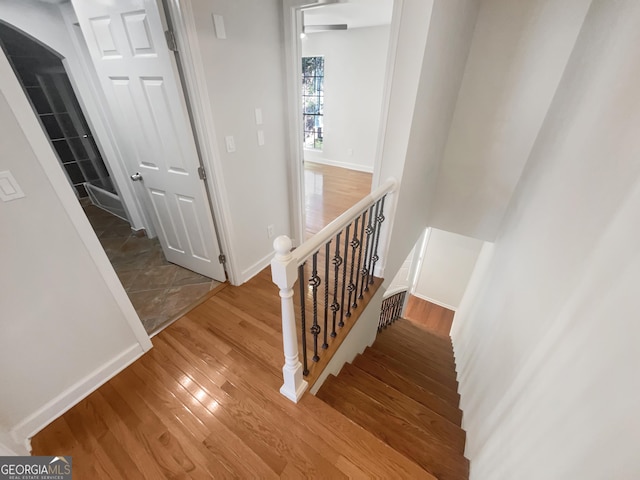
[{"x": 159, "y": 291}]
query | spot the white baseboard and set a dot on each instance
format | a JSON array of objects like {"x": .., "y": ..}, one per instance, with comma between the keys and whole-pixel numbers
[
  {"x": 334, "y": 163},
  {"x": 10, "y": 448},
  {"x": 256, "y": 268},
  {"x": 437, "y": 302},
  {"x": 26, "y": 429}
]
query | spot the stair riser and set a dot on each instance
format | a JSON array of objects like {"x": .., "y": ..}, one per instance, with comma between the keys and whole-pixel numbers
[
  {"x": 441, "y": 462},
  {"x": 442, "y": 407},
  {"x": 441, "y": 347},
  {"x": 411, "y": 373},
  {"x": 445, "y": 375},
  {"x": 413, "y": 412},
  {"x": 419, "y": 366}
]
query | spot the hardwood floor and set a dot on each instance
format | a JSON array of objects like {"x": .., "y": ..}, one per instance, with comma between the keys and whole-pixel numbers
[
  {"x": 433, "y": 317},
  {"x": 329, "y": 192},
  {"x": 204, "y": 403},
  {"x": 403, "y": 390}
]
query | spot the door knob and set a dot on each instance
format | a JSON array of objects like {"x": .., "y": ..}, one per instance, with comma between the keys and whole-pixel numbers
[{"x": 136, "y": 177}]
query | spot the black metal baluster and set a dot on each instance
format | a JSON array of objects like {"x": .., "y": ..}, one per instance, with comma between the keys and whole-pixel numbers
[
  {"x": 315, "y": 281},
  {"x": 325, "y": 345},
  {"x": 364, "y": 219},
  {"x": 344, "y": 274},
  {"x": 303, "y": 319},
  {"x": 335, "y": 306},
  {"x": 374, "y": 225},
  {"x": 351, "y": 287},
  {"x": 379, "y": 219},
  {"x": 402, "y": 297},
  {"x": 365, "y": 272},
  {"x": 396, "y": 302}
]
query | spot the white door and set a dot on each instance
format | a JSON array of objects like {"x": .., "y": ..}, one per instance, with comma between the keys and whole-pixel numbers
[{"x": 139, "y": 77}]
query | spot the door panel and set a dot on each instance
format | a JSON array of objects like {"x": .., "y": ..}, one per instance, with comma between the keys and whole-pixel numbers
[{"x": 139, "y": 77}]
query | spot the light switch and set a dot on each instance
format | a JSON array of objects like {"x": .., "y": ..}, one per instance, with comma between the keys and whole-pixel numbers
[
  {"x": 218, "y": 23},
  {"x": 258, "y": 116},
  {"x": 261, "y": 137},
  {"x": 230, "y": 143},
  {"x": 9, "y": 188}
]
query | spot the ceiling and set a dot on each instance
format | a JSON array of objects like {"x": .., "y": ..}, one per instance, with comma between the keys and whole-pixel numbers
[{"x": 355, "y": 13}]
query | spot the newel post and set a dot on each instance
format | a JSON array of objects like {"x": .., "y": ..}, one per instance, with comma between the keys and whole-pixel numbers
[{"x": 284, "y": 275}]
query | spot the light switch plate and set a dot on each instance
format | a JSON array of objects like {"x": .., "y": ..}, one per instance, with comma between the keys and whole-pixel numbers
[
  {"x": 258, "y": 116},
  {"x": 230, "y": 143},
  {"x": 9, "y": 188},
  {"x": 218, "y": 23},
  {"x": 260, "y": 137}
]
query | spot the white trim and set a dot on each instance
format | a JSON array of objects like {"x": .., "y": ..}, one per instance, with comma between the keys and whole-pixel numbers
[
  {"x": 394, "y": 34},
  {"x": 395, "y": 290},
  {"x": 421, "y": 255},
  {"x": 437, "y": 302},
  {"x": 184, "y": 28},
  {"x": 28, "y": 122},
  {"x": 74, "y": 394},
  {"x": 10, "y": 448},
  {"x": 334, "y": 163},
  {"x": 253, "y": 270},
  {"x": 293, "y": 63}
]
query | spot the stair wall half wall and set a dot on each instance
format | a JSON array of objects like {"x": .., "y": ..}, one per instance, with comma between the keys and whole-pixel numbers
[{"x": 362, "y": 335}]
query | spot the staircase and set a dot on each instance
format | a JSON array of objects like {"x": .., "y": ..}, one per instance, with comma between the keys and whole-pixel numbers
[{"x": 403, "y": 390}]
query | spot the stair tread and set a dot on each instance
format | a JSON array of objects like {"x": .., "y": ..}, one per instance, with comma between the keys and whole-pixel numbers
[
  {"x": 410, "y": 326},
  {"x": 435, "y": 457},
  {"x": 412, "y": 331},
  {"x": 415, "y": 335},
  {"x": 400, "y": 465},
  {"x": 411, "y": 373},
  {"x": 409, "y": 388},
  {"x": 405, "y": 407},
  {"x": 425, "y": 364}
]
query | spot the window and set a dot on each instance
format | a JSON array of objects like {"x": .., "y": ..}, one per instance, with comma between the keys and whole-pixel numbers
[{"x": 312, "y": 100}]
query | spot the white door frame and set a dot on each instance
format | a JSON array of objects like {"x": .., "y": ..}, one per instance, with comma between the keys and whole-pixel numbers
[
  {"x": 43, "y": 151},
  {"x": 195, "y": 82},
  {"x": 292, "y": 10}
]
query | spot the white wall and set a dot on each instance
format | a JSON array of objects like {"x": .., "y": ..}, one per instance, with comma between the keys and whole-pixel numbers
[
  {"x": 243, "y": 72},
  {"x": 547, "y": 350},
  {"x": 355, "y": 63},
  {"x": 63, "y": 329},
  {"x": 449, "y": 260},
  {"x": 432, "y": 48},
  {"x": 517, "y": 57}
]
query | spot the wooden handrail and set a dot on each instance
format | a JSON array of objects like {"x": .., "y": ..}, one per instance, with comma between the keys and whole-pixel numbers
[
  {"x": 287, "y": 265},
  {"x": 312, "y": 245}
]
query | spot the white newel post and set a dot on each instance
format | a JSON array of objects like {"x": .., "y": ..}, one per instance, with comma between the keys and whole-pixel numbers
[{"x": 284, "y": 274}]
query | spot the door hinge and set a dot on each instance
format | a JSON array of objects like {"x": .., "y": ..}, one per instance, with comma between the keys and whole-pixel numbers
[
  {"x": 201, "y": 173},
  {"x": 222, "y": 259},
  {"x": 171, "y": 40}
]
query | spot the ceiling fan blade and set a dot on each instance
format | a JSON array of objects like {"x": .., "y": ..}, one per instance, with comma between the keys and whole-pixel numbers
[{"x": 324, "y": 28}]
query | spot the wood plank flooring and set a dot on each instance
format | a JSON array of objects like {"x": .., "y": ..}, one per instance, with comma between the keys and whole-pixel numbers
[
  {"x": 204, "y": 403},
  {"x": 433, "y": 317},
  {"x": 403, "y": 390},
  {"x": 329, "y": 192}
]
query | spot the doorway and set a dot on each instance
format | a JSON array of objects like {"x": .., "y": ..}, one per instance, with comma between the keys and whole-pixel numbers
[
  {"x": 159, "y": 290},
  {"x": 342, "y": 62}
]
